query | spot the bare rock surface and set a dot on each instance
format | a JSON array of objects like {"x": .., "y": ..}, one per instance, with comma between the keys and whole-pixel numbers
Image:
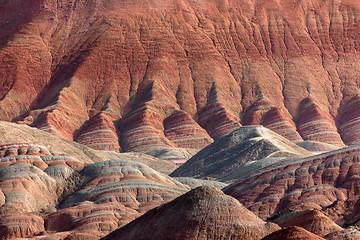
[
  {"x": 130, "y": 76},
  {"x": 312, "y": 220},
  {"x": 326, "y": 182},
  {"x": 33, "y": 180},
  {"x": 194, "y": 183},
  {"x": 12, "y": 133},
  {"x": 317, "y": 147},
  {"x": 46, "y": 193},
  {"x": 203, "y": 213},
  {"x": 112, "y": 194},
  {"x": 351, "y": 233},
  {"x": 229, "y": 154},
  {"x": 292, "y": 233},
  {"x": 175, "y": 155}
]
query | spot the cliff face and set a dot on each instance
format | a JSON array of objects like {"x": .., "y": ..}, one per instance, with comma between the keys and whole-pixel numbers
[{"x": 147, "y": 74}]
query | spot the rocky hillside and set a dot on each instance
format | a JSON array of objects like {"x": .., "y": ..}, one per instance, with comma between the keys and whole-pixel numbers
[
  {"x": 326, "y": 182},
  {"x": 236, "y": 154},
  {"x": 203, "y": 213},
  {"x": 143, "y": 75}
]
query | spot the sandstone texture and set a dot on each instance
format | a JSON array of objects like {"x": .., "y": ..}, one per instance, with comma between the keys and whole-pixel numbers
[
  {"x": 194, "y": 183},
  {"x": 203, "y": 213},
  {"x": 112, "y": 194},
  {"x": 177, "y": 156},
  {"x": 53, "y": 195},
  {"x": 224, "y": 158},
  {"x": 146, "y": 75},
  {"x": 312, "y": 220},
  {"x": 12, "y": 133},
  {"x": 351, "y": 233},
  {"x": 293, "y": 233},
  {"x": 317, "y": 147},
  {"x": 326, "y": 182}
]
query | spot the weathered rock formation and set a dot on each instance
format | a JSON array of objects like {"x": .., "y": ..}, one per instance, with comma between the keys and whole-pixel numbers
[
  {"x": 150, "y": 74},
  {"x": 326, "y": 182},
  {"x": 112, "y": 194},
  {"x": 223, "y": 158},
  {"x": 315, "y": 124},
  {"x": 292, "y": 233},
  {"x": 317, "y": 147},
  {"x": 203, "y": 213},
  {"x": 175, "y": 155},
  {"x": 351, "y": 233},
  {"x": 99, "y": 133},
  {"x": 349, "y": 121},
  {"x": 194, "y": 183},
  {"x": 312, "y": 220},
  {"x": 15, "y": 133},
  {"x": 33, "y": 180},
  {"x": 47, "y": 192}
]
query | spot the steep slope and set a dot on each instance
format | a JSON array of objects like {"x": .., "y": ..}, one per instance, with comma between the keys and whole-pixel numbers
[
  {"x": 14, "y": 134},
  {"x": 33, "y": 180},
  {"x": 198, "y": 68},
  {"x": 203, "y": 213},
  {"x": 112, "y": 194},
  {"x": 293, "y": 233},
  {"x": 327, "y": 182},
  {"x": 229, "y": 154},
  {"x": 45, "y": 192},
  {"x": 351, "y": 233},
  {"x": 312, "y": 220}
]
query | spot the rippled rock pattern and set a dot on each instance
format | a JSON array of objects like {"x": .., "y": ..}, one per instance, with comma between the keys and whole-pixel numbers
[
  {"x": 33, "y": 180},
  {"x": 114, "y": 193},
  {"x": 46, "y": 192},
  {"x": 312, "y": 220},
  {"x": 99, "y": 133},
  {"x": 221, "y": 64},
  {"x": 349, "y": 122},
  {"x": 184, "y": 132},
  {"x": 293, "y": 233},
  {"x": 225, "y": 157},
  {"x": 327, "y": 182},
  {"x": 203, "y": 213},
  {"x": 316, "y": 125}
]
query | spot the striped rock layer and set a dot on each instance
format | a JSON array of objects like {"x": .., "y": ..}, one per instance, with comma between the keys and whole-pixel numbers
[
  {"x": 228, "y": 157},
  {"x": 143, "y": 75},
  {"x": 202, "y": 213},
  {"x": 48, "y": 193},
  {"x": 326, "y": 182}
]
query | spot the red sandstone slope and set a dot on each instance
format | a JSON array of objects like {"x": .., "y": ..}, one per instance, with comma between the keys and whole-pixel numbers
[{"x": 151, "y": 69}]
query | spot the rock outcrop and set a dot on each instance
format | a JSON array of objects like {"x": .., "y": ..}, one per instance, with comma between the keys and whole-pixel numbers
[
  {"x": 312, "y": 220},
  {"x": 33, "y": 180},
  {"x": 139, "y": 72},
  {"x": 316, "y": 124},
  {"x": 351, "y": 233},
  {"x": 349, "y": 121},
  {"x": 99, "y": 133},
  {"x": 223, "y": 158},
  {"x": 13, "y": 134},
  {"x": 112, "y": 194},
  {"x": 292, "y": 233},
  {"x": 326, "y": 182},
  {"x": 203, "y": 213},
  {"x": 175, "y": 155},
  {"x": 44, "y": 192}
]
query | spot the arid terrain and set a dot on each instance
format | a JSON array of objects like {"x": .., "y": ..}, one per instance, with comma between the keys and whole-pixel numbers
[{"x": 180, "y": 119}]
